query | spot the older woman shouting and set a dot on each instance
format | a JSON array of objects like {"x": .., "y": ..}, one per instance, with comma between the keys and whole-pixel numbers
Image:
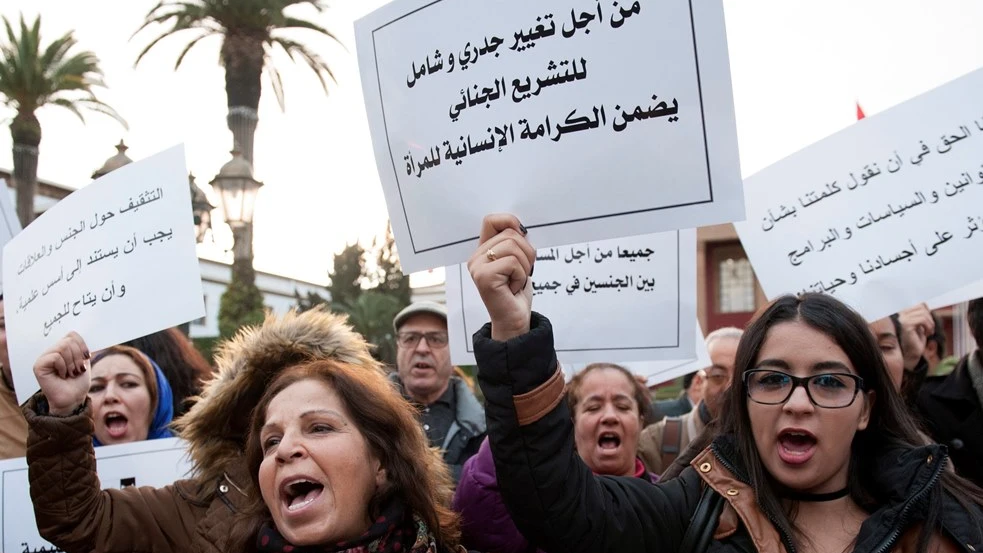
[{"x": 310, "y": 455}]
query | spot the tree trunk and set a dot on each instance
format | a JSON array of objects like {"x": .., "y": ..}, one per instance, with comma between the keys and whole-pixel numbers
[
  {"x": 243, "y": 59},
  {"x": 25, "y": 130}
]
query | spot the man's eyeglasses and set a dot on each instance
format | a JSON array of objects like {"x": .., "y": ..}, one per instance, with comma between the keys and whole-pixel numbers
[
  {"x": 827, "y": 390},
  {"x": 411, "y": 339}
]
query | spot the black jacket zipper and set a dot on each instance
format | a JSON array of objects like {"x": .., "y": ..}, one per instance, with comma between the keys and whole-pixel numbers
[{"x": 887, "y": 544}]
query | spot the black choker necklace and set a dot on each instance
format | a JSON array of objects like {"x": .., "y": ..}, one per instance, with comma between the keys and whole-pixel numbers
[{"x": 815, "y": 497}]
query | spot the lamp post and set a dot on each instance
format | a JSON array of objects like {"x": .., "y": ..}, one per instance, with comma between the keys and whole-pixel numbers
[
  {"x": 238, "y": 191},
  {"x": 201, "y": 208}
]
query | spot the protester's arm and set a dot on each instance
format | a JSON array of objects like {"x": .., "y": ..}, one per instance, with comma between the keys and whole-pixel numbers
[
  {"x": 71, "y": 510},
  {"x": 555, "y": 500}
]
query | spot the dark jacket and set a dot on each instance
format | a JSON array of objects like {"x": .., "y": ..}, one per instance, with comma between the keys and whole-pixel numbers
[
  {"x": 196, "y": 515},
  {"x": 467, "y": 429},
  {"x": 671, "y": 407},
  {"x": 557, "y": 503},
  {"x": 951, "y": 410}
]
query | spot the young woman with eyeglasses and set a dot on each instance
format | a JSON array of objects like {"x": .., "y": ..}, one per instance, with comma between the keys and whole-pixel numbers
[{"x": 814, "y": 450}]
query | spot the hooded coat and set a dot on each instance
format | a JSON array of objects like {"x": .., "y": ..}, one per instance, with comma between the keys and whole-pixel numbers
[{"x": 193, "y": 515}]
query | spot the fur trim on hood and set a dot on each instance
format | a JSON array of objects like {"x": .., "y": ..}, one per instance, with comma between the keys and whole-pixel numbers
[{"x": 216, "y": 426}]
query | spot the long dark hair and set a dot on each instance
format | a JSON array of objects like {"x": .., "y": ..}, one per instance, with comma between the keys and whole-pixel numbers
[
  {"x": 182, "y": 364},
  {"x": 891, "y": 424}
]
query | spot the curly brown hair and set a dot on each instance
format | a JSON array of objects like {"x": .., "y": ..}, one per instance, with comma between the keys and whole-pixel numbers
[{"x": 415, "y": 471}]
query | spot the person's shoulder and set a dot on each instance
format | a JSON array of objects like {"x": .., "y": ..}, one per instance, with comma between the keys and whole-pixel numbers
[
  {"x": 655, "y": 430},
  {"x": 950, "y": 385}
]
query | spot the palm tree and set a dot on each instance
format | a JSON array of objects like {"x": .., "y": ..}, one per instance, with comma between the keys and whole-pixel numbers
[
  {"x": 249, "y": 31},
  {"x": 32, "y": 76},
  {"x": 371, "y": 315}
]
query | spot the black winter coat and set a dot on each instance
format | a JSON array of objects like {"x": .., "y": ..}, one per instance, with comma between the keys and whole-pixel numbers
[{"x": 951, "y": 410}]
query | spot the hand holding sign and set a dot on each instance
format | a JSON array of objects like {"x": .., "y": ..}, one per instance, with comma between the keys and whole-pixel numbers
[
  {"x": 500, "y": 268},
  {"x": 917, "y": 325},
  {"x": 63, "y": 374},
  {"x": 119, "y": 249}
]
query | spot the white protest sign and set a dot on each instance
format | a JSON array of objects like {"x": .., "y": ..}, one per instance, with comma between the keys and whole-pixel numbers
[
  {"x": 155, "y": 463},
  {"x": 884, "y": 214},
  {"x": 9, "y": 223},
  {"x": 628, "y": 299},
  {"x": 113, "y": 261},
  {"x": 587, "y": 119},
  {"x": 657, "y": 372},
  {"x": 966, "y": 293}
]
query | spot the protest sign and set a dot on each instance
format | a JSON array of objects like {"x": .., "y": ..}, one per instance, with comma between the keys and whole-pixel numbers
[
  {"x": 628, "y": 299},
  {"x": 9, "y": 223},
  {"x": 884, "y": 214},
  {"x": 154, "y": 463},
  {"x": 113, "y": 261},
  {"x": 657, "y": 372},
  {"x": 959, "y": 295},
  {"x": 588, "y": 120}
]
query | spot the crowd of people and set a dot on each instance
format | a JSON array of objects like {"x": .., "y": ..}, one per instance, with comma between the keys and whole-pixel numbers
[{"x": 810, "y": 430}]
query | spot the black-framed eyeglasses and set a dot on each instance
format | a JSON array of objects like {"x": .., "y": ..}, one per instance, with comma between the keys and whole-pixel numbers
[
  {"x": 411, "y": 339},
  {"x": 827, "y": 390}
]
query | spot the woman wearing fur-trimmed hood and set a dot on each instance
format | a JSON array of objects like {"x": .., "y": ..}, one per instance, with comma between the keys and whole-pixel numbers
[{"x": 190, "y": 515}]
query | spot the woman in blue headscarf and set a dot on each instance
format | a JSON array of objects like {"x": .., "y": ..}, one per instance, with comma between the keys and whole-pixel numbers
[{"x": 131, "y": 398}]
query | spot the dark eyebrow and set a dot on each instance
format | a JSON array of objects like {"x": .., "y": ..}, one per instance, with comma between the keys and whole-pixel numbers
[
  {"x": 822, "y": 366},
  {"x": 883, "y": 335},
  {"x": 331, "y": 412},
  {"x": 776, "y": 363},
  {"x": 825, "y": 366},
  {"x": 307, "y": 414}
]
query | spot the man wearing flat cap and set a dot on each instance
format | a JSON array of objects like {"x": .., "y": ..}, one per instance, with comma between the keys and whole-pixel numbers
[{"x": 451, "y": 415}]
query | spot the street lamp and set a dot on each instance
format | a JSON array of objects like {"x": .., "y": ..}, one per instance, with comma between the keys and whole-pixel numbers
[
  {"x": 201, "y": 208},
  {"x": 115, "y": 162},
  {"x": 238, "y": 191}
]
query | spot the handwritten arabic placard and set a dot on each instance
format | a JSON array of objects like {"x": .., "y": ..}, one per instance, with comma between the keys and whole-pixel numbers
[
  {"x": 9, "y": 223},
  {"x": 154, "y": 463},
  {"x": 588, "y": 119},
  {"x": 657, "y": 372},
  {"x": 884, "y": 214},
  {"x": 113, "y": 261},
  {"x": 627, "y": 299}
]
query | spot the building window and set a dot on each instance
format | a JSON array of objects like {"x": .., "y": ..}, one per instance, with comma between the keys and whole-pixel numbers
[
  {"x": 204, "y": 319},
  {"x": 735, "y": 285}
]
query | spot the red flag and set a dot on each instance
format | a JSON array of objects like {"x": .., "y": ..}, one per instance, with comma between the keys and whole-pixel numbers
[{"x": 860, "y": 112}]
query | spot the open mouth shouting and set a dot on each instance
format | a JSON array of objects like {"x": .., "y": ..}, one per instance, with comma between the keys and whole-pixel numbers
[
  {"x": 298, "y": 493},
  {"x": 609, "y": 442},
  {"x": 116, "y": 424},
  {"x": 796, "y": 446}
]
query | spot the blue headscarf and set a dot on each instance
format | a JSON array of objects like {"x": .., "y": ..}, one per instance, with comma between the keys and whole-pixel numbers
[{"x": 165, "y": 406}]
